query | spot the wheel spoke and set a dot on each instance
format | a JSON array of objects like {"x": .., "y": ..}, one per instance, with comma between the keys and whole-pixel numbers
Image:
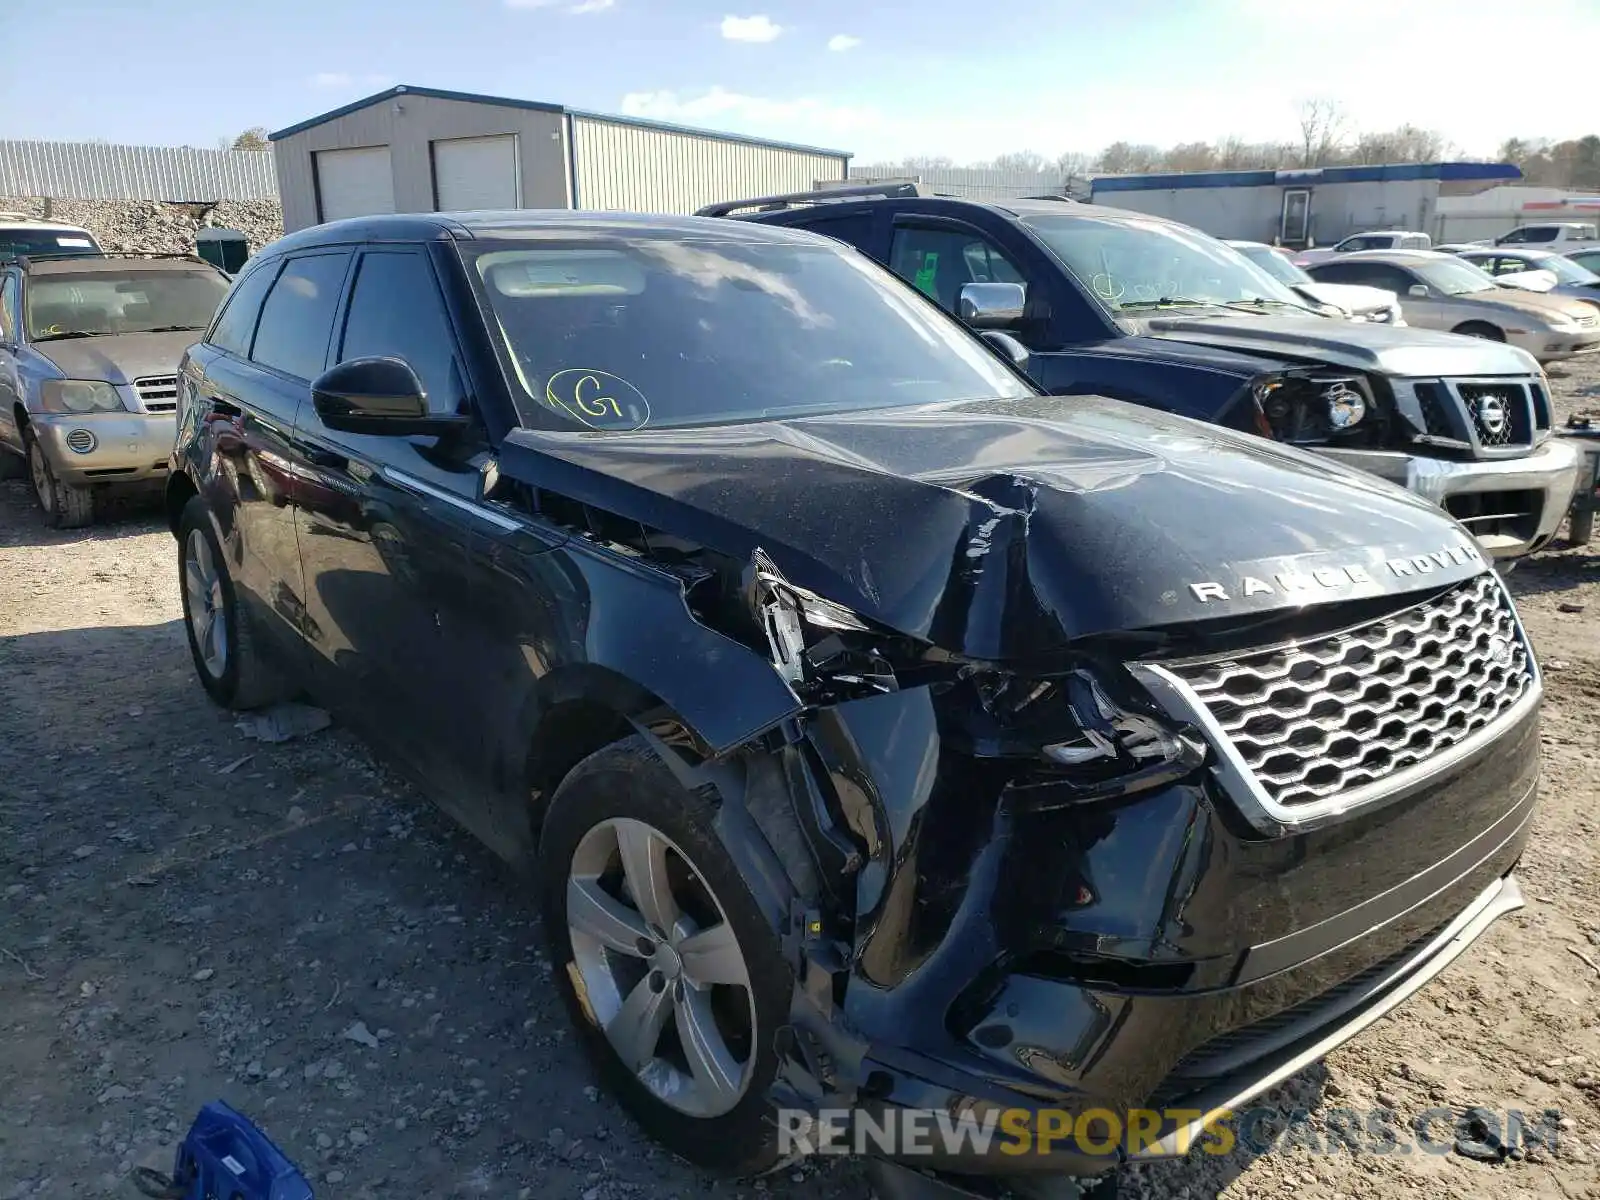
[
  {"x": 644, "y": 863},
  {"x": 194, "y": 583},
  {"x": 715, "y": 1070},
  {"x": 712, "y": 956},
  {"x": 207, "y": 639},
  {"x": 592, "y": 912},
  {"x": 636, "y": 1029}
]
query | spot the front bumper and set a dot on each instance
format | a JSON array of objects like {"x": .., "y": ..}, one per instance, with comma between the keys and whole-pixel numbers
[
  {"x": 120, "y": 447},
  {"x": 1512, "y": 505},
  {"x": 1547, "y": 346}
]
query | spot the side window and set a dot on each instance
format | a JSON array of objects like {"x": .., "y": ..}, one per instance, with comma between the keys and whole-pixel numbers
[
  {"x": 395, "y": 311},
  {"x": 1360, "y": 243},
  {"x": 1515, "y": 238},
  {"x": 297, "y": 319},
  {"x": 1505, "y": 266},
  {"x": 855, "y": 228},
  {"x": 8, "y": 308},
  {"x": 1537, "y": 233},
  {"x": 938, "y": 261},
  {"x": 1414, "y": 242},
  {"x": 236, "y": 323}
]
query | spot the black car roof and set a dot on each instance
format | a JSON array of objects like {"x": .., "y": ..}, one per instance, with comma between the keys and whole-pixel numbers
[
  {"x": 468, "y": 226},
  {"x": 1024, "y": 209},
  {"x": 101, "y": 264}
]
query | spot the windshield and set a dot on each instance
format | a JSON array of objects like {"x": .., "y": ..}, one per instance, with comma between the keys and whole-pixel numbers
[
  {"x": 1564, "y": 269},
  {"x": 122, "y": 302},
  {"x": 1455, "y": 277},
  {"x": 1274, "y": 264},
  {"x": 1134, "y": 265},
  {"x": 45, "y": 241},
  {"x": 621, "y": 334}
]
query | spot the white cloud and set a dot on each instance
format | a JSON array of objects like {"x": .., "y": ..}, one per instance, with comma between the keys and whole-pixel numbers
[
  {"x": 750, "y": 29},
  {"x": 344, "y": 80},
  {"x": 843, "y": 41}
]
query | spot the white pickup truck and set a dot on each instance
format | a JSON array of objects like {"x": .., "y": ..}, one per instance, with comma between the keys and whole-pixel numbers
[
  {"x": 1558, "y": 235},
  {"x": 1374, "y": 239}
]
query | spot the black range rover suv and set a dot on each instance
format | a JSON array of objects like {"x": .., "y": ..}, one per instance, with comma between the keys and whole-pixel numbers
[{"x": 879, "y": 730}]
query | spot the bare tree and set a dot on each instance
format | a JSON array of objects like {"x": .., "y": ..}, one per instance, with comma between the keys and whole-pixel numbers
[
  {"x": 252, "y": 139},
  {"x": 1074, "y": 170},
  {"x": 1322, "y": 124},
  {"x": 1019, "y": 160}
]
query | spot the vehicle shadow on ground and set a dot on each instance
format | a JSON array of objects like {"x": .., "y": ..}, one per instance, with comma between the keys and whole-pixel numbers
[{"x": 1562, "y": 569}]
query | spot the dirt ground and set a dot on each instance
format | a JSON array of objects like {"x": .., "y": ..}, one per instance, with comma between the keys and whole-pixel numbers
[{"x": 186, "y": 915}]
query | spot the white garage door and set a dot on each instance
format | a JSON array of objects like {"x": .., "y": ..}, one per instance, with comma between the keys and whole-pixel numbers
[
  {"x": 475, "y": 173},
  {"x": 354, "y": 183}
]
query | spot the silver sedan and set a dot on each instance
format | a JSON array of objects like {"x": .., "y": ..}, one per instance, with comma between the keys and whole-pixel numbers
[{"x": 1441, "y": 291}]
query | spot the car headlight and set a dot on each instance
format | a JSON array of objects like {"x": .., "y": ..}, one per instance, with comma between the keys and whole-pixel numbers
[
  {"x": 79, "y": 396},
  {"x": 1308, "y": 408}
]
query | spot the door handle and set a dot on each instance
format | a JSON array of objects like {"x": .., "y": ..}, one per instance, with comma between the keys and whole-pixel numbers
[{"x": 328, "y": 458}]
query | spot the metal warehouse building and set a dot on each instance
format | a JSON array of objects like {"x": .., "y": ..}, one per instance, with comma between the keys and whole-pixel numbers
[
  {"x": 413, "y": 149},
  {"x": 1317, "y": 206}
]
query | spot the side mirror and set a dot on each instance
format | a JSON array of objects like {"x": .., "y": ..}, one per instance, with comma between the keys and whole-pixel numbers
[
  {"x": 992, "y": 305},
  {"x": 1013, "y": 351},
  {"x": 1419, "y": 290},
  {"x": 377, "y": 395}
]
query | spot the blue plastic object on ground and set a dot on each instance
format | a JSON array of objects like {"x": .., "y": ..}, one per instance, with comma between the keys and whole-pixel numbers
[{"x": 225, "y": 1157}]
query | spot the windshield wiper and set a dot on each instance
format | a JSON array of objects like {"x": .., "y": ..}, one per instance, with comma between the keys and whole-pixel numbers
[
  {"x": 76, "y": 333},
  {"x": 169, "y": 329},
  {"x": 1249, "y": 306}
]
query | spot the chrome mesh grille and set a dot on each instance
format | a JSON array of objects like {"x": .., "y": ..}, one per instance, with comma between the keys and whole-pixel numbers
[
  {"x": 1316, "y": 718},
  {"x": 158, "y": 393}
]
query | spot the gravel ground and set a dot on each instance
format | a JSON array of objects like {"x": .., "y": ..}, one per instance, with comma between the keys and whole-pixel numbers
[
  {"x": 186, "y": 914},
  {"x": 156, "y": 226}
]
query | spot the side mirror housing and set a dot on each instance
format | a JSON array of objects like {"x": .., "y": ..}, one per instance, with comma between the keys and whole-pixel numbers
[
  {"x": 992, "y": 305},
  {"x": 1419, "y": 290},
  {"x": 379, "y": 396}
]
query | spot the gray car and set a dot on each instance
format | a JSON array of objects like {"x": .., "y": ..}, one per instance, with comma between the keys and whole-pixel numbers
[
  {"x": 89, "y": 352},
  {"x": 1566, "y": 277},
  {"x": 1440, "y": 291}
]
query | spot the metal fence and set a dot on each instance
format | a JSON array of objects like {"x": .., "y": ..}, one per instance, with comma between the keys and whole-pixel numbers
[
  {"x": 967, "y": 183},
  {"x": 94, "y": 171}
]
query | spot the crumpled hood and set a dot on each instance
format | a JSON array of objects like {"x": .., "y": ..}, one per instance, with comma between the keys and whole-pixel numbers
[
  {"x": 1002, "y": 529},
  {"x": 1362, "y": 347},
  {"x": 119, "y": 357}
]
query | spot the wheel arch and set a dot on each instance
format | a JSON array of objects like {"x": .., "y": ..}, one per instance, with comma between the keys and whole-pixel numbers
[{"x": 179, "y": 491}]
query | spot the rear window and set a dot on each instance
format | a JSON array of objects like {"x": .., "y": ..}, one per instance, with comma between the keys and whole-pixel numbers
[
  {"x": 15, "y": 241},
  {"x": 620, "y": 335}
]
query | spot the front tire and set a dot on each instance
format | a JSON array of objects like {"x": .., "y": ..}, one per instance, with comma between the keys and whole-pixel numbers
[
  {"x": 675, "y": 979},
  {"x": 222, "y": 644},
  {"x": 64, "y": 505}
]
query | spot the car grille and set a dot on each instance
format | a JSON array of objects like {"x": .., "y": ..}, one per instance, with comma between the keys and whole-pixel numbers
[
  {"x": 1316, "y": 718},
  {"x": 157, "y": 393},
  {"x": 1587, "y": 322},
  {"x": 1496, "y": 417}
]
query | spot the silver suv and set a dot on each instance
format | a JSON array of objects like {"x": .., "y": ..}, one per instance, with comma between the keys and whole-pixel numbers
[{"x": 89, "y": 350}]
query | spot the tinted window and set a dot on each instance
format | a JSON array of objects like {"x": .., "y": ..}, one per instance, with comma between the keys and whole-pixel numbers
[
  {"x": 8, "y": 308},
  {"x": 1589, "y": 259},
  {"x": 237, "y": 323},
  {"x": 395, "y": 311},
  {"x": 1363, "y": 243},
  {"x": 45, "y": 241},
  {"x": 855, "y": 229},
  {"x": 938, "y": 261},
  {"x": 1378, "y": 275},
  {"x": 653, "y": 332},
  {"x": 297, "y": 319},
  {"x": 1513, "y": 238},
  {"x": 1541, "y": 233}
]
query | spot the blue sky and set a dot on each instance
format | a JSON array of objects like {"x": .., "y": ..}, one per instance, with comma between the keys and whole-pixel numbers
[{"x": 939, "y": 77}]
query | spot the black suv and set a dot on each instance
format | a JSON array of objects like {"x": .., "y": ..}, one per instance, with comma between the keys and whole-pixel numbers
[
  {"x": 1114, "y": 303},
  {"x": 882, "y": 730}
]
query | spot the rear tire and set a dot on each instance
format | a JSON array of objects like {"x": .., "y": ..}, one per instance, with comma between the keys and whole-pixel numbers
[
  {"x": 1479, "y": 329},
  {"x": 64, "y": 505},
  {"x": 222, "y": 644},
  {"x": 622, "y": 805},
  {"x": 1580, "y": 528}
]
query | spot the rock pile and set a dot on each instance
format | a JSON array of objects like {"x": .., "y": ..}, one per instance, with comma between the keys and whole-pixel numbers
[{"x": 157, "y": 226}]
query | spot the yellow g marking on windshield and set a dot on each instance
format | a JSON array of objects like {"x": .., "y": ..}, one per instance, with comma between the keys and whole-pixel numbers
[{"x": 597, "y": 399}]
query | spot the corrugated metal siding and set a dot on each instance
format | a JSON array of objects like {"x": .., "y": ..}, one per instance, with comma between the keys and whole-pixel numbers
[
  {"x": 92, "y": 171},
  {"x": 968, "y": 183},
  {"x": 639, "y": 169}
]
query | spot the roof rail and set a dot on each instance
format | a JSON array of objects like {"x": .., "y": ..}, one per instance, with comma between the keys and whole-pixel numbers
[
  {"x": 25, "y": 259},
  {"x": 1048, "y": 196},
  {"x": 826, "y": 195}
]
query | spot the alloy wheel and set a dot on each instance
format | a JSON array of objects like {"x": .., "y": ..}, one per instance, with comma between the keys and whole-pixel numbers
[
  {"x": 659, "y": 967},
  {"x": 202, "y": 584},
  {"x": 44, "y": 483}
]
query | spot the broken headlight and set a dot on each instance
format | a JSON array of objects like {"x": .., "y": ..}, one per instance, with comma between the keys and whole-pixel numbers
[
  {"x": 1083, "y": 743},
  {"x": 1305, "y": 408}
]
